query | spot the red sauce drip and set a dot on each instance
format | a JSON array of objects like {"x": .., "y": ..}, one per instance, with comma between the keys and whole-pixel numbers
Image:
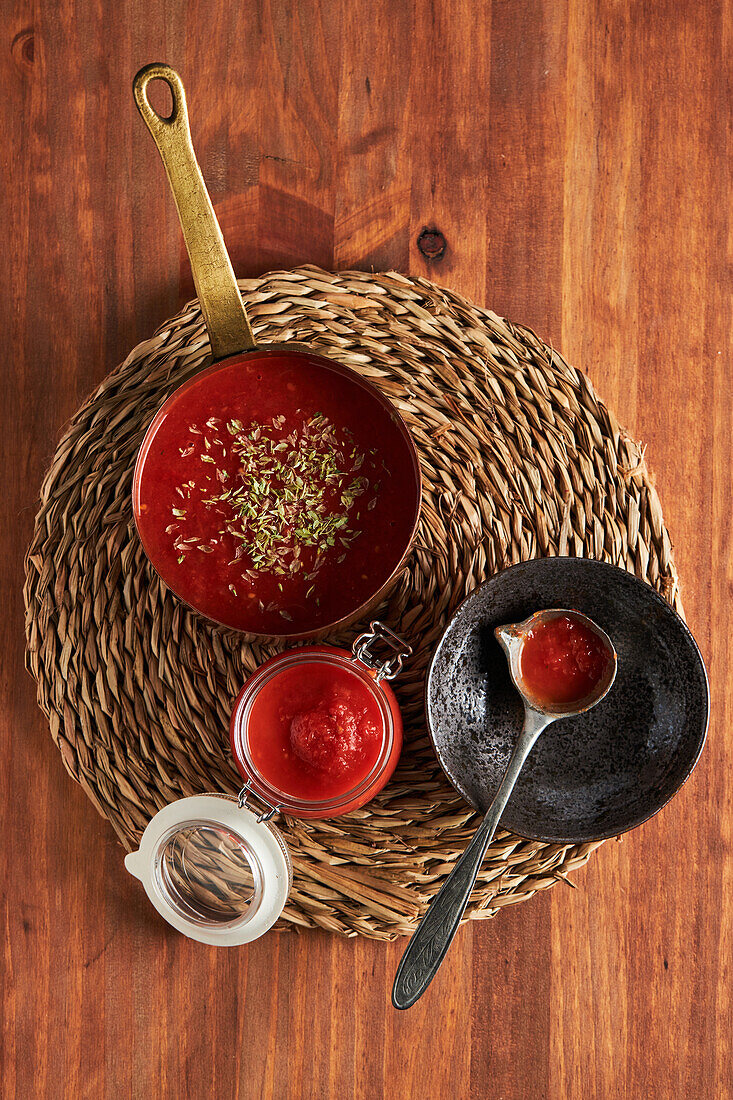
[
  {"x": 562, "y": 661},
  {"x": 315, "y": 731}
]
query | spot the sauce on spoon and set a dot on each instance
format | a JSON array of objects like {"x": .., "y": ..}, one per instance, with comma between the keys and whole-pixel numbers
[{"x": 562, "y": 661}]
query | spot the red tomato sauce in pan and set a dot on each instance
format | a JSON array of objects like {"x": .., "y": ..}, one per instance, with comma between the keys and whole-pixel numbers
[
  {"x": 274, "y": 494},
  {"x": 315, "y": 731},
  {"x": 562, "y": 661}
]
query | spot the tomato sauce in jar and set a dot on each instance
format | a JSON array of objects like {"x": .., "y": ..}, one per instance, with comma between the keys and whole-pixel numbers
[
  {"x": 314, "y": 733},
  {"x": 562, "y": 661}
]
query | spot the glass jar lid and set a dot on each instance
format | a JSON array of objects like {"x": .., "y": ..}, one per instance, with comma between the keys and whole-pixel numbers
[{"x": 215, "y": 870}]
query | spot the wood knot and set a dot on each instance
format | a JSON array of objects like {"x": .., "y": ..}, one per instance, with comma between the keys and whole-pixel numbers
[
  {"x": 432, "y": 244},
  {"x": 23, "y": 49}
]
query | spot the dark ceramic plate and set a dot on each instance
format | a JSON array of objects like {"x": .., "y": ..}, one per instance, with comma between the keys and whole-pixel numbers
[{"x": 594, "y": 775}]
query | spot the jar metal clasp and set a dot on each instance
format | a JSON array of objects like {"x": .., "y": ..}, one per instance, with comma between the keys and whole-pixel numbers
[
  {"x": 385, "y": 668},
  {"x": 266, "y": 815}
]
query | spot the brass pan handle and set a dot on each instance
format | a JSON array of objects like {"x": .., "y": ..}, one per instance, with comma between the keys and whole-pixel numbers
[{"x": 221, "y": 303}]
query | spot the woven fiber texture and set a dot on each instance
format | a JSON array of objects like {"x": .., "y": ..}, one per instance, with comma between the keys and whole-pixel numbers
[{"x": 520, "y": 459}]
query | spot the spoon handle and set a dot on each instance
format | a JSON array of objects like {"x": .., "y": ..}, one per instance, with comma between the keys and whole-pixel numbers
[{"x": 429, "y": 944}]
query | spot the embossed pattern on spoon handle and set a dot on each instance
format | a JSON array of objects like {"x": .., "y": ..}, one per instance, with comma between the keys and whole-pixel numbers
[{"x": 429, "y": 944}]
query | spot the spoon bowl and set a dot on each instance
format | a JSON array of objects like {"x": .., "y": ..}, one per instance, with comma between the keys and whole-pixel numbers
[{"x": 512, "y": 638}]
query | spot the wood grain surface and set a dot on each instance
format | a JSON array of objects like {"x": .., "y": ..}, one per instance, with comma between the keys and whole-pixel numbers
[{"x": 575, "y": 158}]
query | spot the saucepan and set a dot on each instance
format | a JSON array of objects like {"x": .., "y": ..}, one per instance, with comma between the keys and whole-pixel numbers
[{"x": 277, "y": 492}]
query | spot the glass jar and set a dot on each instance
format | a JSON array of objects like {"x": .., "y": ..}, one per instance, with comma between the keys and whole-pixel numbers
[{"x": 366, "y": 674}]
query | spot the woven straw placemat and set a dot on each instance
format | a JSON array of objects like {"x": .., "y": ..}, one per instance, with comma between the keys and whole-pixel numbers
[{"x": 520, "y": 459}]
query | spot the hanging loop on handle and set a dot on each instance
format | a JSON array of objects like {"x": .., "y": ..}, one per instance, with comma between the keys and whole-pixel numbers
[
  {"x": 221, "y": 303},
  {"x": 163, "y": 129}
]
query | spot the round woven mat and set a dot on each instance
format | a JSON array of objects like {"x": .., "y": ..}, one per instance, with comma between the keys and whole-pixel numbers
[{"x": 520, "y": 459}]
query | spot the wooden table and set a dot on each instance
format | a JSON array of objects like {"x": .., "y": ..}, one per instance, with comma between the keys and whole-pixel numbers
[{"x": 573, "y": 157}]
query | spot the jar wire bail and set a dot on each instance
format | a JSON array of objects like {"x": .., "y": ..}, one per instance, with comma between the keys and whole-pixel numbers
[{"x": 398, "y": 649}]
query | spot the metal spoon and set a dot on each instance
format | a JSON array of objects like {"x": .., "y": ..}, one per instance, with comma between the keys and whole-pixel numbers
[{"x": 430, "y": 942}]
